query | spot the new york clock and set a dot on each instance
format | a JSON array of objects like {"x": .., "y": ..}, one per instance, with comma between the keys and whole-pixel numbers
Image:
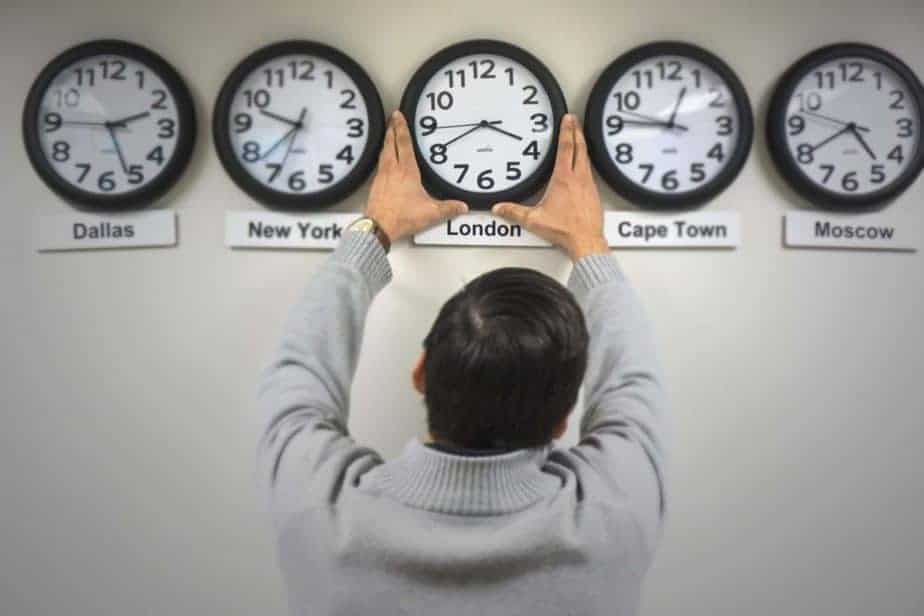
[
  {"x": 844, "y": 127},
  {"x": 109, "y": 125},
  {"x": 484, "y": 117},
  {"x": 668, "y": 125},
  {"x": 298, "y": 125}
]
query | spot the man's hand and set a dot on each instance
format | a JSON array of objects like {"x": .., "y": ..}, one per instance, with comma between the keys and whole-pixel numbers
[
  {"x": 398, "y": 201},
  {"x": 569, "y": 215}
]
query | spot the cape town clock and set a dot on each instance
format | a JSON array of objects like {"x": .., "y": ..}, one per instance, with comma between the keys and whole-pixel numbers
[
  {"x": 484, "y": 117},
  {"x": 298, "y": 125},
  {"x": 668, "y": 125},
  {"x": 844, "y": 127},
  {"x": 109, "y": 125}
]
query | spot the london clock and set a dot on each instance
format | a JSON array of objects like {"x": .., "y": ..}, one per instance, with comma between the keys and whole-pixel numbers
[
  {"x": 298, "y": 125},
  {"x": 844, "y": 127},
  {"x": 484, "y": 117},
  {"x": 109, "y": 125},
  {"x": 668, "y": 125}
]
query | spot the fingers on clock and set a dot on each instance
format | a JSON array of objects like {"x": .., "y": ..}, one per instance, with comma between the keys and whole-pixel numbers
[
  {"x": 514, "y": 212},
  {"x": 564, "y": 161},
  {"x": 389, "y": 155}
]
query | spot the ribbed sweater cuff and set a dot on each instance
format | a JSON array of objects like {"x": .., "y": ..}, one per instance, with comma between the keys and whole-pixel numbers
[
  {"x": 591, "y": 271},
  {"x": 364, "y": 252}
]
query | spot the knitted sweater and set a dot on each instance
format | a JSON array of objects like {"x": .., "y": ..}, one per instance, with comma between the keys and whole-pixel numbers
[{"x": 541, "y": 531}]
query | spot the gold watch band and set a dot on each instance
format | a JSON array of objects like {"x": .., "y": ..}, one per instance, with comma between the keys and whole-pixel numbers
[{"x": 367, "y": 224}]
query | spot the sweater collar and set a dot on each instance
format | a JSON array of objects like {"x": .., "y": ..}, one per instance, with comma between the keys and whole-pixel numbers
[{"x": 434, "y": 480}]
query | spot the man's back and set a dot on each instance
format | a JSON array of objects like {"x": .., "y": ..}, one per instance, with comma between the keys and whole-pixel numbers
[{"x": 534, "y": 547}]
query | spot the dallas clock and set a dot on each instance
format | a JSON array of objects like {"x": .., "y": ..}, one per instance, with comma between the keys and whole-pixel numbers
[
  {"x": 668, "y": 125},
  {"x": 109, "y": 125},
  {"x": 298, "y": 125},
  {"x": 844, "y": 127},
  {"x": 484, "y": 117}
]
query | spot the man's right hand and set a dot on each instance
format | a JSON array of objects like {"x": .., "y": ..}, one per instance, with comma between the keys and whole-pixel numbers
[{"x": 569, "y": 214}]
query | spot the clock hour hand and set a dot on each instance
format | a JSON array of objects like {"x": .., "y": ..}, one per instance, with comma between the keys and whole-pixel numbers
[
  {"x": 132, "y": 118},
  {"x": 275, "y": 116},
  {"x": 835, "y": 120},
  {"x": 502, "y": 131}
]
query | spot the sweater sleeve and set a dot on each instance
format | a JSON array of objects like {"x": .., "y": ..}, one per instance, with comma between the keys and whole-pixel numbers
[
  {"x": 622, "y": 433},
  {"x": 305, "y": 452}
]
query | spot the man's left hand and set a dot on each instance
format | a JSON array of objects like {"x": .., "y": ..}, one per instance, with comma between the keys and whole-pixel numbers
[{"x": 398, "y": 201}]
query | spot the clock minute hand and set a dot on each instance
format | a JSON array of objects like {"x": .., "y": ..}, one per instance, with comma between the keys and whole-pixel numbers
[
  {"x": 846, "y": 129},
  {"x": 670, "y": 122},
  {"x": 856, "y": 133},
  {"x": 653, "y": 120}
]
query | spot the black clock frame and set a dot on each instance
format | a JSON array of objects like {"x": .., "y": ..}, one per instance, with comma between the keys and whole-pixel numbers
[
  {"x": 790, "y": 169},
  {"x": 221, "y": 125},
  {"x": 527, "y": 186},
  {"x": 596, "y": 140},
  {"x": 186, "y": 129}
]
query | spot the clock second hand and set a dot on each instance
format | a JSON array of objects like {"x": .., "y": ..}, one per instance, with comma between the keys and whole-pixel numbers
[
  {"x": 118, "y": 149},
  {"x": 835, "y": 120},
  {"x": 298, "y": 127},
  {"x": 288, "y": 134},
  {"x": 469, "y": 124},
  {"x": 468, "y": 132}
]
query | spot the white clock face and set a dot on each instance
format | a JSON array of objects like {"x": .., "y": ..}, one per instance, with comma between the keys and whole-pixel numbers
[
  {"x": 108, "y": 125},
  {"x": 484, "y": 123},
  {"x": 670, "y": 124},
  {"x": 852, "y": 125},
  {"x": 298, "y": 124}
]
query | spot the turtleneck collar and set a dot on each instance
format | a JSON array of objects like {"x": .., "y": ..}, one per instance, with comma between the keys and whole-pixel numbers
[{"x": 435, "y": 480}]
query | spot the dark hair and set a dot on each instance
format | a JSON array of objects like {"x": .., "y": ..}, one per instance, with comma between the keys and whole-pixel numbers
[{"x": 504, "y": 361}]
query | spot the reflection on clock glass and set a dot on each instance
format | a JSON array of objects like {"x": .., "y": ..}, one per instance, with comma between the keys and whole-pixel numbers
[
  {"x": 852, "y": 125},
  {"x": 108, "y": 124}
]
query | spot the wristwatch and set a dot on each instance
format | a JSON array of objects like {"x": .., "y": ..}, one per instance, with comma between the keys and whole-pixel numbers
[{"x": 366, "y": 224}]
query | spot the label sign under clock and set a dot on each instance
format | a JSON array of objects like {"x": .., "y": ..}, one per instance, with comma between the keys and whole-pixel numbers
[
  {"x": 868, "y": 231},
  {"x": 622, "y": 229},
  {"x": 94, "y": 231},
  {"x": 256, "y": 229}
]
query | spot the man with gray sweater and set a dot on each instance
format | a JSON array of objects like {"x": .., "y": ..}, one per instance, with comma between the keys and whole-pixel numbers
[{"x": 487, "y": 517}]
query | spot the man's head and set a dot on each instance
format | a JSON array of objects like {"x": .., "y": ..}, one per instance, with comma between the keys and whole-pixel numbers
[{"x": 503, "y": 362}]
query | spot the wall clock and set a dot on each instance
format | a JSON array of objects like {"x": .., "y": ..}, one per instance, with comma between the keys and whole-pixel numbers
[
  {"x": 298, "y": 125},
  {"x": 844, "y": 127},
  {"x": 484, "y": 117},
  {"x": 109, "y": 125},
  {"x": 668, "y": 125}
]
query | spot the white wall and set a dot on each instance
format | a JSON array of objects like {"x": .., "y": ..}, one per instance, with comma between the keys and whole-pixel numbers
[{"x": 128, "y": 377}]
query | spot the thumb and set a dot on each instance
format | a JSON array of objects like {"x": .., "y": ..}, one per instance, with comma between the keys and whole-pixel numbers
[
  {"x": 450, "y": 209},
  {"x": 514, "y": 212}
]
